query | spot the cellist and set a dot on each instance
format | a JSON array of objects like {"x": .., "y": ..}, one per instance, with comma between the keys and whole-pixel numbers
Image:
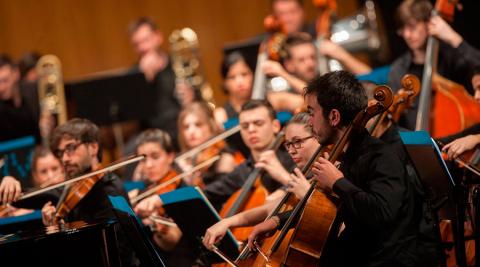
[
  {"x": 456, "y": 56},
  {"x": 258, "y": 127},
  {"x": 301, "y": 145},
  {"x": 377, "y": 201}
]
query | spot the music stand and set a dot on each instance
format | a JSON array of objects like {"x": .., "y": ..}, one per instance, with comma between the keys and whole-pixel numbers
[
  {"x": 437, "y": 182},
  {"x": 194, "y": 214},
  {"x": 111, "y": 99},
  {"x": 132, "y": 226},
  {"x": 248, "y": 48}
]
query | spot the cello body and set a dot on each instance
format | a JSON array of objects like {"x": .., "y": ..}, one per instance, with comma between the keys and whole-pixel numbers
[
  {"x": 257, "y": 197},
  {"x": 453, "y": 109},
  {"x": 307, "y": 248}
]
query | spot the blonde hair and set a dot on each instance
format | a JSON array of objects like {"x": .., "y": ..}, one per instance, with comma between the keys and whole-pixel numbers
[{"x": 204, "y": 113}]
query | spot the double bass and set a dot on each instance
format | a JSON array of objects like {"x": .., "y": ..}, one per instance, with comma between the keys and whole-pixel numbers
[{"x": 450, "y": 108}]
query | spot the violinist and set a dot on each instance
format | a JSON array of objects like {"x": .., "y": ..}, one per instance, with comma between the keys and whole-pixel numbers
[
  {"x": 76, "y": 145},
  {"x": 456, "y": 57},
  {"x": 258, "y": 127},
  {"x": 379, "y": 225},
  {"x": 46, "y": 170},
  {"x": 156, "y": 168},
  {"x": 196, "y": 124},
  {"x": 301, "y": 145}
]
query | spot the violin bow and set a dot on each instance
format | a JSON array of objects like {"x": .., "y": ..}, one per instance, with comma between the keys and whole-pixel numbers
[{"x": 112, "y": 167}]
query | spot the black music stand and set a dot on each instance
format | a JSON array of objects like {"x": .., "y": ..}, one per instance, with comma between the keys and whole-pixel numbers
[
  {"x": 248, "y": 48},
  {"x": 194, "y": 214},
  {"x": 438, "y": 184},
  {"x": 132, "y": 226},
  {"x": 111, "y": 99}
]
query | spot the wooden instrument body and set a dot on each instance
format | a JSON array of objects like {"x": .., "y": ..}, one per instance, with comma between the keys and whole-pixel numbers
[
  {"x": 312, "y": 235},
  {"x": 257, "y": 197},
  {"x": 75, "y": 194},
  {"x": 453, "y": 109}
]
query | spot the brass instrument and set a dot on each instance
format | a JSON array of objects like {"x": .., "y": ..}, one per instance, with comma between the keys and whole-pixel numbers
[
  {"x": 51, "y": 93},
  {"x": 184, "y": 49},
  {"x": 356, "y": 33}
]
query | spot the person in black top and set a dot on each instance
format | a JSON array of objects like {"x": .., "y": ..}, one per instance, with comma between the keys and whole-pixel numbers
[
  {"x": 455, "y": 60},
  {"x": 377, "y": 198},
  {"x": 77, "y": 146},
  {"x": 258, "y": 127},
  {"x": 146, "y": 39},
  {"x": 18, "y": 105}
]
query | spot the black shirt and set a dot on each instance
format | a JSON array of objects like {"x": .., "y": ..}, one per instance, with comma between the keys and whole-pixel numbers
[
  {"x": 377, "y": 208},
  {"x": 219, "y": 191},
  {"x": 16, "y": 122}
]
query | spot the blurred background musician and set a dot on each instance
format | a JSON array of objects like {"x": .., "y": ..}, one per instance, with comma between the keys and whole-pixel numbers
[
  {"x": 196, "y": 125},
  {"x": 146, "y": 39},
  {"x": 456, "y": 56},
  {"x": 18, "y": 105},
  {"x": 27, "y": 66},
  {"x": 46, "y": 170}
]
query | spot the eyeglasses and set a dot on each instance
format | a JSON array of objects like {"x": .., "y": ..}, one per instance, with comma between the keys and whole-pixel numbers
[
  {"x": 69, "y": 149},
  {"x": 296, "y": 143}
]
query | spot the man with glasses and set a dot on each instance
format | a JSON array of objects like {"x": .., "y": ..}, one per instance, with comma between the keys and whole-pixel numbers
[
  {"x": 456, "y": 57},
  {"x": 258, "y": 127},
  {"x": 76, "y": 144}
]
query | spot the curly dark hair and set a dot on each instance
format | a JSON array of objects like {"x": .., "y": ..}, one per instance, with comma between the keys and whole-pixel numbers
[{"x": 339, "y": 90}]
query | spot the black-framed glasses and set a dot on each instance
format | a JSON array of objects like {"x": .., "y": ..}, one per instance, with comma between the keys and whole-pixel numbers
[
  {"x": 69, "y": 149},
  {"x": 296, "y": 143}
]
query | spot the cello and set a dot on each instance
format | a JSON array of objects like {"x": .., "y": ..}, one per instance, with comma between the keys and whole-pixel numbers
[
  {"x": 304, "y": 248},
  {"x": 450, "y": 109},
  {"x": 252, "y": 194}
]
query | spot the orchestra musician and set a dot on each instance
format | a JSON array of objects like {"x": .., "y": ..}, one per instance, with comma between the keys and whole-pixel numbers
[
  {"x": 46, "y": 170},
  {"x": 156, "y": 168},
  {"x": 18, "y": 104},
  {"x": 76, "y": 145},
  {"x": 379, "y": 224},
  {"x": 455, "y": 60},
  {"x": 258, "y": 127},
  {"x": 300, "y": 144},
  {"x": 146, "y": 39},
  {"x": 196, "y": 124}
]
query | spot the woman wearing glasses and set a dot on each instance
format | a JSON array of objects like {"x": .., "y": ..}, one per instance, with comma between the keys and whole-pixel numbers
[{"x": 301, "y": 145}]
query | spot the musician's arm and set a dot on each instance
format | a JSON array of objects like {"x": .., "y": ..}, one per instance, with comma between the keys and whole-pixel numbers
[
  {"x": 10, "y": 189},
  {"x": 386, "y": 187}
]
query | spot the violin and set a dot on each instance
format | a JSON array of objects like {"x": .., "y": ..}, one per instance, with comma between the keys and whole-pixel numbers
[
  {"x": 81, "y": 186},
  {"x": 169, "y": 181},
  {"x": 76, "y": 193}
]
